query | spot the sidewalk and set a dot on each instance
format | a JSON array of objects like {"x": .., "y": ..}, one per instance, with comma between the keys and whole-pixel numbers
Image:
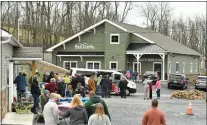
[{"x": 154, "y": 94}]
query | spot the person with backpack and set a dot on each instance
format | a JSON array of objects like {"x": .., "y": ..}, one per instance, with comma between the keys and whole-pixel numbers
[{"x": 90, "y": 105}]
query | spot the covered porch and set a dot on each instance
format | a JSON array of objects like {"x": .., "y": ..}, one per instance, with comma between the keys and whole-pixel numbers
[{"x": 147, "y": 57}]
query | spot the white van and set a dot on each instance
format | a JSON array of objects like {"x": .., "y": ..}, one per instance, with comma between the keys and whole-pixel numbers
[{"x": 116, "y": 76}]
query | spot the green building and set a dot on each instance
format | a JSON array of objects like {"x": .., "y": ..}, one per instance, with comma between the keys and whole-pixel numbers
[{"x": 119, "y": 46}]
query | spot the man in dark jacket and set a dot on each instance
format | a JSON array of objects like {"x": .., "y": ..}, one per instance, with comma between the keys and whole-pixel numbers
[
  {"x": 35, "y": 91},
  {"x": 105, "y": 85},
  {"x": 74, "y": 85},
  {"x": 80, "y": 79},
  {"x": 21, "y": 82},
  {"x": 123, "y": 86},
  {"x": 90, "y": 105},
  {"x": 52, "y": 75}
]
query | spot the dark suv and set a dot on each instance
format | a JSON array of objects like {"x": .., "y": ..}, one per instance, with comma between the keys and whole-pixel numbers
[
  {"x": 178, "y": 81},
  {"x": 152, "y": 75}
]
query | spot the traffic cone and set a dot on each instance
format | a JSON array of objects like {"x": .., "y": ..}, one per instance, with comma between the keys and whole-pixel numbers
[{"x": 190, "y": 109}]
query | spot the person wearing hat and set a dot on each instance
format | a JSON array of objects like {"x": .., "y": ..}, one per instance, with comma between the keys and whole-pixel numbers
[{"x": 52, "y": 86}]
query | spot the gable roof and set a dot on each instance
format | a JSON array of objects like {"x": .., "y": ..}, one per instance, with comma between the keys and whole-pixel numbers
[
  {"x": 6, "y": 37},
  {"x": 145, "y": 47},
  {"x": 163, "y": 41},
  {"x": 150, "y": 36}
]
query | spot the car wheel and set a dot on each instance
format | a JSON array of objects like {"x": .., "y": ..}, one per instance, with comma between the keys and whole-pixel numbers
[
  {"x": 127, "y": 92},
  {"x": 183, "y": 87}
]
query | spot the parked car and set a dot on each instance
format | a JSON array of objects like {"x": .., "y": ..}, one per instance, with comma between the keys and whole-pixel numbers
[
  {"x": 178, "y": 81},
  {"x": 152, "y": 75},
  {"x": 201, "y": 82}
]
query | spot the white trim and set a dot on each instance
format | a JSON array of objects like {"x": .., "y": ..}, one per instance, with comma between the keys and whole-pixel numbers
[
  {"x": 191, "y": 67},
  {"x": 183, "y": 67},
  {"x": 93, "y": 63},
  {"x": 64, "y": 46},
  {"x": 94, "y": 30},
  {"x": 70, "y": 64},
  {"x": 26, "y": 59},
  {"x": 91, "y": 27},
  {"x": 118, "y": 39},
  {"x": 136, "y": 34},
  {"x": 82, "y": 55},
  {"x": 79, "y": 38},
  {"x": 141, "y": 52},
  {"x": 140, "y": 68},
  {"x": 117, "y": 65},
  {"x": 11, "y": 85},
  {"x": 169, "y": 67},
  {"x": 176, "y": 67}
]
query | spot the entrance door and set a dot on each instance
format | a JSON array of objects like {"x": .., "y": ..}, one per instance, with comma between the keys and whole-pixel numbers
[
  {"x": 135, "y": 67},
  {"x": 157, "y": 68}
]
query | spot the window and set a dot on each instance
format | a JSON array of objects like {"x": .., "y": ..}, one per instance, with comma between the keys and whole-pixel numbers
[
  {"x": 113, "y": 65},
  {"x": 177, "y": 67},
  {"x": 169, "y": 67},
  {"x": 93, "y": 64},
  {"x": 114, "y": 38},
  {"x": 183, "y": 67},
  {"x": 70, "y": 64},
  {"x": 117, "y": 76},
  {"x": 196, "y": 67},
  {"x": 191, "y": 67}
]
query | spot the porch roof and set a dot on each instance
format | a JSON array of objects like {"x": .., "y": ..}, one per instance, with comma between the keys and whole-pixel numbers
[{"x": 145, "y": 48}]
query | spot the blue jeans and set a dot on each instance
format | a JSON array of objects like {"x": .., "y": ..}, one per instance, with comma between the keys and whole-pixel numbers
[
  {"x": 134, "y": 78},
  {"x": 99, "y": 89},
  {"x": 158, "y": 93},
  {"x": 36, "y": 101}
]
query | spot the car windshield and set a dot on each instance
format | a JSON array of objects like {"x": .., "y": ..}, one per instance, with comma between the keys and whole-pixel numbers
[
  {"x": 150, "y": 73},
  {"x": 202, "y": 78},
  {"x": 172, "y": 76}
]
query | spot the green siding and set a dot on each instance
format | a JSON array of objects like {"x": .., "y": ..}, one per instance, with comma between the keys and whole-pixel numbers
[
  {"x": 78, "y": 59},
  {"x": 118, "y": 50},
  {"x": 184, "y": 58}
]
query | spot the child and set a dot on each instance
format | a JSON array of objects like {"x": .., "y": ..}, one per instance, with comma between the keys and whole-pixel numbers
[
  {"x": 69, "y": 91},
  {"x": 116, "y": 90}
]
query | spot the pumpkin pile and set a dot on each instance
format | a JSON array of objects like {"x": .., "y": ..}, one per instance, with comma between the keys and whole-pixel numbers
[{"x": 190, "y": 94}]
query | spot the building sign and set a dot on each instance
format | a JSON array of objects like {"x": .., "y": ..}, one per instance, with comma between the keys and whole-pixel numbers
[{"x": 84, "y": 46}]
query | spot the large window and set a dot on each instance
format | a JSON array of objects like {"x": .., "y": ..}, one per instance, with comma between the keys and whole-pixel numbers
[
  {"x": 70, "y": 64},
  {"x": 169, "y": 67},
  {"x": 191, "y": 67},
  {"x": 183, "y": 67},
  {"x": 177, "y": 67},
  {"x": 93, "y": 64},
  {"x": 113, "y": 65},
  {"x": 114, "y": 38}
]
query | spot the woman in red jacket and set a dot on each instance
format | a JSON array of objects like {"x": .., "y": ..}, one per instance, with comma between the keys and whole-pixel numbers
[{"x": 52, "y": 86}]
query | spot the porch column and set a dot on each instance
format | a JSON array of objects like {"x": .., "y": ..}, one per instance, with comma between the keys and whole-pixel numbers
[
  {"x": 163, "y": 65},
  {"x": 11, "y": 85},
  {"x": 33, "y": 68},
  {"x": 138, "y": 56}
]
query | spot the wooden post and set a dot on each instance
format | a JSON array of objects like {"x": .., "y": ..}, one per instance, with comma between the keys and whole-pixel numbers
[{"x": 33, "y": 68}]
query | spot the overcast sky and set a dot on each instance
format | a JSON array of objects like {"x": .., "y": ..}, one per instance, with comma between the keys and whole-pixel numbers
[{"x": 187, "y": 9}]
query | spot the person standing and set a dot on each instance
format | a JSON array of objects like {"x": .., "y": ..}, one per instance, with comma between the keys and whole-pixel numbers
[
  {"x": 74, "y": 85},
  {"x": 99, "y": 117},
  {"x": 146, "y": 88},
  {"x": 35, "y": 91},
  {"x": 92, "y": 84},
  {"x": 105, "y": 84},
  {"x": 52, "y": 86},
  {"x": 154, "y": 116},
  {"x": 158, "y": 87},
  {"x": 52, "y": 75},
  {"x": 77, "y": 112},
  {"x": 123, "y": 86},
  {"x": 134, "y": 75},
  {"x": 110, "y": 87},
  {"x": 20, "y": 82},
  {"x": 98, "y": 84},
  {"x": 128, "y": 75},
  {"x": 51, "y": 112},
  {"x": 93, "y": 100},
  {"x": 81, "y": 84},
  {"x": 150, "y": 90}
]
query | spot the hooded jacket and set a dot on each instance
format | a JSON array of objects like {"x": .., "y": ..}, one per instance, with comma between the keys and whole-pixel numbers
[
  {"x": 78, "y": 115},
  {"x": 90, "y": 106},
  {"x": 21, "y": 82}
]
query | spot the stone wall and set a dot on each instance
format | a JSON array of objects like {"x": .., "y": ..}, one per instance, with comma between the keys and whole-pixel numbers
[{"x": 4, "y": 103}]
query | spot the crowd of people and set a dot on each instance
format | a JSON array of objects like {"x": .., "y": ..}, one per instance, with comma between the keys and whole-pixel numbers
[{"x": 94, "y": 111}]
